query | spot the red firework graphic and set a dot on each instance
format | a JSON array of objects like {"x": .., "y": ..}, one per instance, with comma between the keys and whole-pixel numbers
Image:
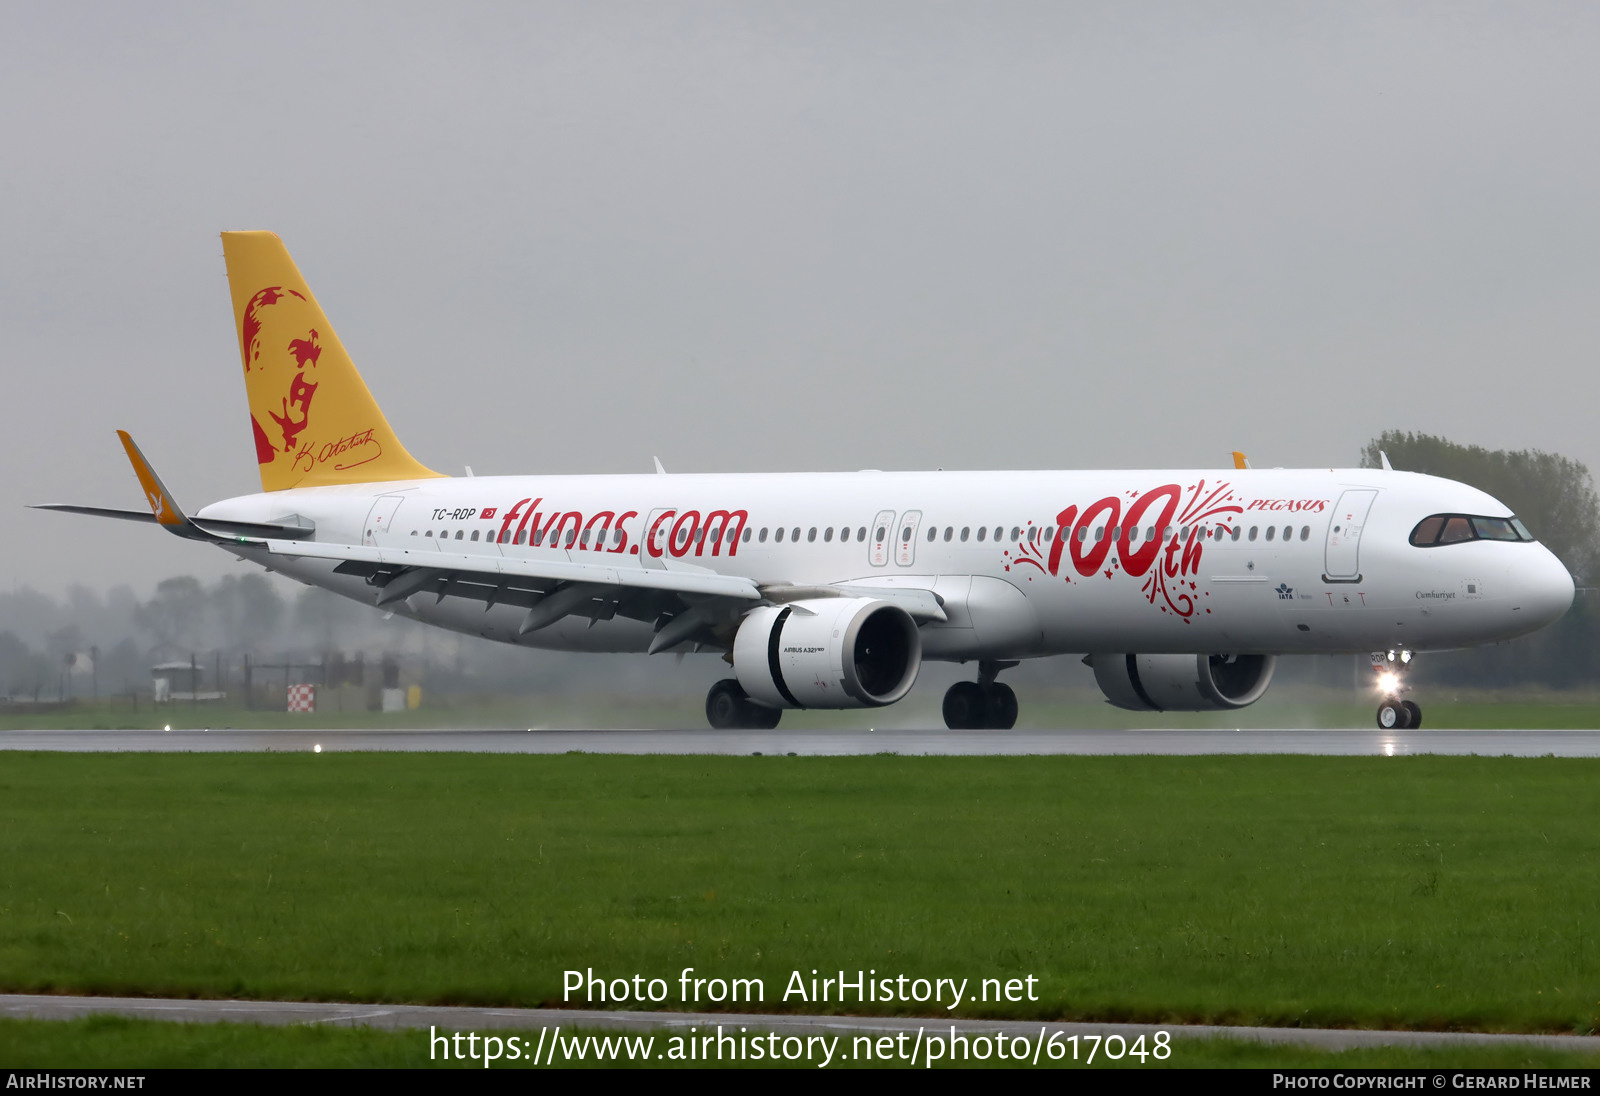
[{"x": 1165, "y": 562}]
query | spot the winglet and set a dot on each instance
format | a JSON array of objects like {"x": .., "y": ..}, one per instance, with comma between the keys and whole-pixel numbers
[
  {"x": 155, "y": 492},
  {"x": 1240, "y": 460},
  {"x": 1384, "y": 457}
]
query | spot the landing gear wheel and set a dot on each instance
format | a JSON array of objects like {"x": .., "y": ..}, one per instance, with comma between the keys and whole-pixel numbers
[
  {"x": 725, "y": 705},
  {"x": 729, "y": 708},
  {"x": 1393, "y": 715},
  {"x": 1415, "y": 712},
  {"x": 1002, "y": 707},
  {"x": 966, "y": 707}
]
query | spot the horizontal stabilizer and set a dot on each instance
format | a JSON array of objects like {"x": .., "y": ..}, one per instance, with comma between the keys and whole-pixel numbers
[
  {"x": 289, "y": 529},
  {"x": 96, "y": 511}
]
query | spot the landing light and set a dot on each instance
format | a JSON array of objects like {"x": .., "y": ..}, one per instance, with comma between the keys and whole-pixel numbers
[
  {"x": 1388, "y": 682},
  {"x": 1405, "y": 656},
  {"x": 317, "y": 748}
]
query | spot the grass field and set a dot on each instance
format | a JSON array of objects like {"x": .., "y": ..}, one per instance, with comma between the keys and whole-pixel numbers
[
  {"x": 106, "y": 1042},
  {"x": 1422, "y": 892}
]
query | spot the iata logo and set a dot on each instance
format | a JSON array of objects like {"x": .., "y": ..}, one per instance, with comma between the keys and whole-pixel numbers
[{"x": 1139, "y": 531}]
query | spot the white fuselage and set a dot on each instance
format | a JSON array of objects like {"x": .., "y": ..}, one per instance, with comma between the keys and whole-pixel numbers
[{"x": 1025, "y": 563}]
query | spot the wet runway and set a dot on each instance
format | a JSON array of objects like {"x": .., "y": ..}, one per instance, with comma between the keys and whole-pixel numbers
[
  {"x": 450, "y": 1019},
  {"x": 827, "y": 743}
]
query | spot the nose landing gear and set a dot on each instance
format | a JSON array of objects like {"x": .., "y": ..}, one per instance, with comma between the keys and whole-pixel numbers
[
  {"x": 1395, "y": 713},
  {"x": 984, "y": 704}
]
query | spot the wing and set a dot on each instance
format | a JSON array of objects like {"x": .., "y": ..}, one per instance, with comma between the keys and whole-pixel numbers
[{"x": 697, "y": 605}]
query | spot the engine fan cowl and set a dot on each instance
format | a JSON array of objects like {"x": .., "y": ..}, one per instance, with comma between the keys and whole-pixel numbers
[
  {"x": 1182, "y": 683},
  {"x": 827, "y": 653}
]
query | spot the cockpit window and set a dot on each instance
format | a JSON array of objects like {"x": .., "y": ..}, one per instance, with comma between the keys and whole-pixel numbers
[
  {"x": 1494, "y": 529},
  {"x": 1441, "y": 529},
  {"x": 1427, "y": 530}
]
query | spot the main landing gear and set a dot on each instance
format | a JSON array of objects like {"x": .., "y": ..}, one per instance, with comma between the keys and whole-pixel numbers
[
  {"x": 729, "y": 708},
  {"x": 1395, "y": 713},
  {"x": 984, "y": 704}
]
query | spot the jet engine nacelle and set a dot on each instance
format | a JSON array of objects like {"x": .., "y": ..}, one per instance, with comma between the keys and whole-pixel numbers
[
  {"x": 1182, "y": 683},
  {"x": 827, "y": 653}
]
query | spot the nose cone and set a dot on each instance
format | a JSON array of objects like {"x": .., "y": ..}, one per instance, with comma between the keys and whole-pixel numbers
[{"x": 1544, "y": 588}]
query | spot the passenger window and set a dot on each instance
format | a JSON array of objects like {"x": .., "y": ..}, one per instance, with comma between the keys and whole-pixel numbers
[
  {"x": 763, "y": 534},
  {"x": 1016, "y": 533},
  {"x": 1456, "y": 530},
  {"x": 1237, "y": 529},
  {"x": 778, "y": 536},
  {"x": 949, "y": 531},
  {"x": 1253, "y": 531},
  {"x": 999, "y": 531},
  {"x": 794, "y": 534},
  {"x": 861, "y": 534},
  {"x": 1288, "y": 531},
  {"x": 458, "y": 533},
  {"x": 1305, "y": 532},
  {"x": 1083, "y": 533},
  {"x": 827, "y": 535},
  {"x": 474, "y": 534},
  {"x": 933, "y": 531},
  {"x": 905, "y": 534},
  {"x": 1048, "y": 533},
  {"x": 1271, "y": 530},
  {"x": 413, "y": 532},
  {"x": 1099, "y": 532},
  {"x": 747, "y": 533},
  {"x": 1149, "y": 532},
  {"x": 964, "y": 530},
  {"x": 811, "y": 537},
  {"x": 429, "y": 533},
  {"x": 882, "y": 532},
  {"x": 1033, "y": 535},
  {"x": 983, "y": 533}
]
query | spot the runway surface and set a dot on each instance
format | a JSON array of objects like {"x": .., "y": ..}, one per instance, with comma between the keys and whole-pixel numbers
[
  {"x": 451, "y": 1019},
  {"x": 827, "y": 743}
]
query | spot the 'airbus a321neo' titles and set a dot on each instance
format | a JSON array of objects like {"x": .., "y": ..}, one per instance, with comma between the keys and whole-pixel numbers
[{"x": 829, "y": 590}]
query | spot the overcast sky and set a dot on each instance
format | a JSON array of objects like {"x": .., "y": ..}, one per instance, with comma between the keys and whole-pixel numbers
[{"x": 763, "y": 236}]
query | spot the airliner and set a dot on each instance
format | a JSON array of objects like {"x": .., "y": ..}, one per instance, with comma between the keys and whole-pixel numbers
[{"x": 830, "y": 590}]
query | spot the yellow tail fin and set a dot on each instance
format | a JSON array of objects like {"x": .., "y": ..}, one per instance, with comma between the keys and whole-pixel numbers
[{"x": 315, "y": 422}]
